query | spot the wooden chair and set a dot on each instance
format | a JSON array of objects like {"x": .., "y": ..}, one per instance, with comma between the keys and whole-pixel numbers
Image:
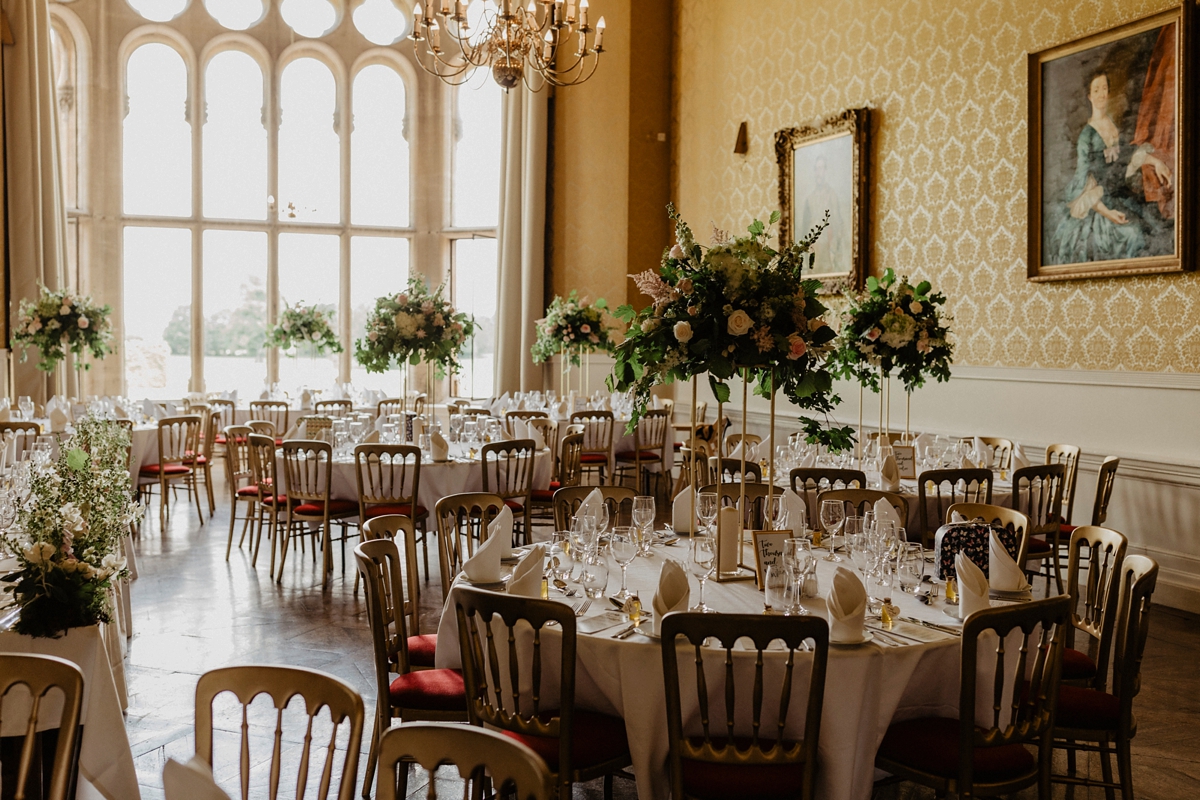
[
  {"x": 38, "y": 675},
  {"x": 686, "y": 464},
  {"x": 508, "y": 472},
  {"x": 730, "y": 469},
  {"x": 308, "y": 480},
  {"x": 890, "y": 439},
  {"x": 226, "y": 415},
  {"x": 729, "y": 494},
  {"x": 549, "y": 732},
  {"x": 264, "y": 427},
  {"x": 269, "y": 501},
  {"x": 240, "y": 478},
  {"x": 749, "y": 762},
  {"x": 1002, "y": 451},
  {"x": 1101, "y": 551},
  {"x": 567, "y": 500},
  {"x": 1037, "y": 493},
  {"x": 22, "y": 434},
  {"x": 1068, "y": 456},
  {"x": 401, "y": 530},
  {"x": 318, "y": 690},
  {"x": 570, "y": 473},
  {"x": 273, "y": 411},
  {"x": 462, "y": 520},
  {"x": 861, "y": 500},
  {"x": 1105, "y": 479},
  {"x": 419, "y": 692},
  {"x": 389, "y": 481},
  {"x": 1104, "y": 720},
  {"x": 1016, "y": 523},
  {"x": 313, "y": 426},
  {"x": 598, "y": 433},
  {"x": 388, "y": 406},
  {"x": 808, "y": 482},
  {"x": 525, "y": 416},
  {"x": 649, "y": 447},
  {"x": 938, "y": 489},
  {"x": 203, "y": 462},
  {"x": 333, "y": 408},
  {"x": 1024, "y": 693},
  {"x": 484, "y": 758},
  {"x": 178, "y": 441},
  {"x": 418, "y": 403}
]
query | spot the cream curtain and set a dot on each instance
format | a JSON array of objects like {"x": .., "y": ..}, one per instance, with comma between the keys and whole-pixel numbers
[
  {"x": 521, "y": 239},
  {"x": 37, "y": 216}
]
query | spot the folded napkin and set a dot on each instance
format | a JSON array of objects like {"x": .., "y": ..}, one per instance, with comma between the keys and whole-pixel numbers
[
  {"x": 972, "y": 586},
  {"x": 889, "y": 474},
  {"x": 190, "y": 781},
  {"x": 306, "y": 399},
  {"x": 923, "y": 440},
  {"x": 672, "y": 593},
  {"x": 957, "y": 517},
  {"x": 51, "y": 404},
  {"x": 172, "y": 409},
  {"x": 847, "y": 607},
  {"x": 683, "y": 515},
  {"x": 371, "y": 438},
  {"x": 1019, "y": 461},
  {"x": 1003, "y": 573},
  {"x": 808, "y": 462},
  {"x": 966, "y": 463},
  {"x": 736, "y": 452},
  {"x": 656, "y": 403},
  {"x": 441, "y": 450},
  {"x": 266, "y": 395},
  {"x": 233, "y": 397},
  {"x": 534, "y": 433},
  {"x": 500, "y": 406},
  {"x": 797, "y": 519},
  {"x": 591, "y": 504},
  {"x": 502, "y": 527},
  {"x": 5, "y": 410},
  {"x": 763, "y": 450},
  {"x": 886, "y": 511},
  {"x": 58, "y": 420},
  {"x": 484, "y": 566},
  {"x": 527, "y": 575}
]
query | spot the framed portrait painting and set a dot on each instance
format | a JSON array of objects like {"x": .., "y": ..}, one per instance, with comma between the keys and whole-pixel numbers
[
  {"x": 823, "y": 170},
  {"x": 1110, "y": 152}
]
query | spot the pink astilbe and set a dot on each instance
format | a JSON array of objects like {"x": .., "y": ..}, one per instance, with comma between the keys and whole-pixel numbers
[
  {"x": 653, "y": 286},
  {"x": 719, "y": 236}
]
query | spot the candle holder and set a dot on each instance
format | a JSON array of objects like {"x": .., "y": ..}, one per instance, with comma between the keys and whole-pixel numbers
[{"x": 745, "y": 571}]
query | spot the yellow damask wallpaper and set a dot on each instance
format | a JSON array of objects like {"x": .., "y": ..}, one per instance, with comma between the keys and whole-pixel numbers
[{"x": 946, "y": 80}]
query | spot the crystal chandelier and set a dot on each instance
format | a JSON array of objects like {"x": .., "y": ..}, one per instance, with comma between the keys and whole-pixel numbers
[{"x": 531, "y": 44}]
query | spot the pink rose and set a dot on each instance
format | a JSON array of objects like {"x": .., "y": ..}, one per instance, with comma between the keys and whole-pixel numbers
[
  {"x": 796, "y": 347},
  {"x": 373, "y": 336},
  {"x": 402, "y": 299},
  {"x": 585, "y": 328},
  {"x": 677, "y": 252},
  {"x": 873, "y": 334},
  {"x": 685, "y": 286},
  {"x": 427, "y": 307},
  {"x": 83, "y": 322}
]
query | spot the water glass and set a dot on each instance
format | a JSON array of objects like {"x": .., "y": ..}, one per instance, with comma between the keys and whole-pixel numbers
[
  {"x": 560, "y": 561},
  {"x": 624, "y": 546},
  {"x": 777, "y": 590},
  {"x": 593, "y": 575},
  {"x": 25, "y": 404},
  {"x": 910, "y": 566},
  {"x": 702, "y": 564}
]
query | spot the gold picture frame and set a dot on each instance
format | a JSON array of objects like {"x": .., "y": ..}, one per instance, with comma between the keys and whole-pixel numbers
[
  {"x": 1110, "y": 163},
  {"x": 826, "y": 168}
]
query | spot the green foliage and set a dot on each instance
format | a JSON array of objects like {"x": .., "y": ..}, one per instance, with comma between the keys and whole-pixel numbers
[
  {"x": 61, "y": 322},
  {"x": 412, "y": 327}
]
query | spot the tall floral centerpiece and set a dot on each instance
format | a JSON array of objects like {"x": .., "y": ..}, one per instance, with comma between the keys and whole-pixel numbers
[
  {"x": 737, "y": 305},
  {"x": 66, "y": 531},
  {"x": 412, "y": 327},
  {"x": 62, "y": 322},
  {"x": 572, "y": 328},
  {"x": 895, "y": 326},
  {"x": 304, "y": 327}
]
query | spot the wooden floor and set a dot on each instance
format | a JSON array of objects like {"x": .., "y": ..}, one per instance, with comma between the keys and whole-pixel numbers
[{"x": 193, "y": 611}]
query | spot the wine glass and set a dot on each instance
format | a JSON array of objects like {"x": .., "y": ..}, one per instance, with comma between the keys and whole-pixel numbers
[
  {"x": 25, "y": 404},
  {"x": 624, "y": 547},
  {"x": 706, "y": 508},
  {"x": 833, "y": 513},
  {"x": 777, "y": 512},
  {"x": 601, "y": 517},
  {"x": 704, "y": 561},
  {"x": 910, "y": 566},
  {"x": 642, "y": 517}
]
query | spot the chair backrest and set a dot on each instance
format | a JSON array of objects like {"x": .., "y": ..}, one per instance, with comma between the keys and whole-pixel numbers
[
  {"x": 567, "y": 500},
  {"x": 704, "y": 473},
  {"x": 179, "y": 439},
  {"x": 307, "y": 473},
  {"x": 1101, "y": 552},
  {"x": 263, "y": 426},
  {"x": 39, "y": 674},
  {"x": 476, "y": 411},
  {"x": 1068, "y": 456},
  {"x": 1105, "y": 479},
  {"x": 1001, "y": 450},
  {"x": 401, "y": 530},
  {"x": 1014, "y": 521},
  {"x": 226, "y": 410},
  {"x": 651, "y": 431},
  {"x": 734, "y": 439},
  {"x": 237, "y": 450},
  {"x": 889, "y": 439},
  {"x": 310, "y": 426},
  {"x": 510, "y": 765},
  {"x": 273, "y": 411},
  {"x": 489, "y": 628},
  {"x": 938, "y": 489},
  {"x": 462, "y": 518},
  {"x": 387, "y": 474},
  {"x": 333, "y": 408},
  {"x": 391, "y": 606},
  {"x": 389, "y": 405},
  {"x": 509, "y": 416},
  {"x": 570, "y": 467},
  {"x": 1037, "y": 493},
  {"x": 281, "y": 684},
  {"x": 208, "y": 441},
  {"x": 22, "y": 434},
  {"x": 261, "y": 453},
  {"x": 730, "y": 469},
  {"x": 729, "y": 494},
  {"x": 598, "y": 429},
  {"x": 508, "y": 468},
  {"x": 808, "y": 482},
  {"x": 1024, "y": 690},
  {"x": 418, "y": 403},
  {"x": 1139, "y": 575},
  {"x": 712, "y": 669},
  {"x": 861, "y": 500}
]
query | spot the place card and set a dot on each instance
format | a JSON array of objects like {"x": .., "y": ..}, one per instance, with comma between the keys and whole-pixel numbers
[
  {"x": 906, "y": 460},
  {"x": 768, "y": 551}
]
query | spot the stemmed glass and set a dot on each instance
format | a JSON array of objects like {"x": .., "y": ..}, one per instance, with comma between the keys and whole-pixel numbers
[
  {"x": 704, "y": 561},
  {"x": 800, "y": 563},
  {"x": 777, "y": 512},
  {"x": 643, "y": 520},
  {"x": 600, "y": 515},
  {"x": 706, "y": 508},
  {"x": 833, "y": 513},
  {"x": 560, "y": 561},
  {"x": 910, "y": 566},
  {"x": 624, "y": 547},
  {"x": 25, "y": 403}
]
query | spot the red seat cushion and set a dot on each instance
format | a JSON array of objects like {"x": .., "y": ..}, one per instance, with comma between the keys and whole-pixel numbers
[
  {"x": 336, "y": 507},
  {"x": 514, "y": 505},
  {"x": 678, "y": 445},
  {"x": 542, "y": 495},
  {"x": 593, "y": 458},
  {"x": 596, "y": 738},
  {"x": 706, "y": 779},
  {"x": 403, "y": 509},
  {"x": 201, "y": 460},
  {"x": 430, "y": 690},
  {"x": 1087, "y": 709},
  {"x": 1038, "y": 546},
  {"x": 647, "y": 455},
  {"x": 169, "y": 469},
  {"x": 421, "y": 649},
  {"x": 1066, "y": 530},
  {"x": 248, "y": 491},
  {"x": 220, "y": 438},
  {"x": 279, "y": 499},
  {"x": 1077, "y": 665},
  {"x": 930, "y": 744}
]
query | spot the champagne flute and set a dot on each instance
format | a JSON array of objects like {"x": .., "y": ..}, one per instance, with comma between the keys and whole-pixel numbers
[
  {"x": 706, "y": 508},
  {"x": 704, "y": 561},
  {"x": 777, "y": 512},
  {"x": 624, "y": 547},
  {"x": 833, "y": 513},
  {"x": 643, "y": 519}
]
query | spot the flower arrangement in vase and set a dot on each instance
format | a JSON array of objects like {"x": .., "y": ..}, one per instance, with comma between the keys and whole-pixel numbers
[
  {"x": 66, "y": 523},
  {"x": 60, "y": 322},
  {"x": 736, "y": 305},
  {"x": 571, "y": 327},
  {"x": 412, "y": 327},
  {"x": 304, "y": 327}
]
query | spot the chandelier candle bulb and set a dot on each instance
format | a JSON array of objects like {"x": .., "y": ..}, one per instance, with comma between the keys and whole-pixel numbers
[
  {"x": 435, "y": 36},
  {"x": 571, "y": 11},
  {"x": 548, "y": 47},
  {"x": 583, "y": 11},
  {"x": 598, "y": 47}
]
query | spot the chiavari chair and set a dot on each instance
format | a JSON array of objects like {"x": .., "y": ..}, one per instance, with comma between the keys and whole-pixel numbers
[
  {"x": 686, "y": 464},
  {"x": 1002, "y": 450},
  {"x": 730, "y": 469},
  {"x": 1093, "y": 605},
  {"x": 333, "y": 408},
  {"x": 734, "y": 439},
  {"x": 1105, "y": 479},
  {"x": 1014, "y": 534},
  {"x": 264, "y": 427},
  {"x": 388, "y": 406},
  {"x": 388, "y": 477},
  {"x": 808, "y": 482},
  {"x": 38, "y": 675},
  {"x": 240, "y": 478},
  {"x": 274, "y": 411},
  {"x": 462, "y": 521},
  {"x": 522, "y": 415},
  {"x": 204, "y": 460},
  {"x": 313, "y": 426},
  {"x": 418, "y": 403},
  {"x": 1068, "y": 456},
  {"x": 570, "y": 473},
  {"x": 21, "y": 435},
  {"x": 567, "y": 500},
  {"x": 860, "y": 500},
  {"x": 729, "y": 495},
  {"x": 508, "y": 472},
  {"x": 938, "y": 489},
  {"x": 598, "y": 433},
  {"x": 649, "y": 448},
  {"x": 401, "y": 530},
  {"x": 308, "y": 480},
  {"x": 178, "y": 440},
  {"x": 269, "y": 500},
  {"x": 226, "y": 415},
  {"x": 1037, "y": 493}
]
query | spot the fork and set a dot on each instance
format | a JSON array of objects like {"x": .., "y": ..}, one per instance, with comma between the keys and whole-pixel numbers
[{"x": 583, "y": 608}]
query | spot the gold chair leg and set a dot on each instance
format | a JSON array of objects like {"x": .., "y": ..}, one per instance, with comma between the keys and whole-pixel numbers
[
  {"x": 283, "y": 537},
  {"x": 232, "y": 519},
  {"x": 372, "y": 757},
  {"x": 212, "y": 505}
]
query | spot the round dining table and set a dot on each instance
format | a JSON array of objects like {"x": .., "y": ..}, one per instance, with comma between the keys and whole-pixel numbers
[{"x": 910, "y": 671}]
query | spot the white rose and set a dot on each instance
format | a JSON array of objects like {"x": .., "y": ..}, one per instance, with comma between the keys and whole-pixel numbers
[
  {"x": 683, "y": 331},
  {"x": 739, "y": 323},
  {"x": 650, "y": 324},
  {"x": 677, "y": 252},
  {"x": 915, "y": 307}
]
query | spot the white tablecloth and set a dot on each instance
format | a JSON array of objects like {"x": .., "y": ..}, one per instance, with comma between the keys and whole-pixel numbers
[{"x": 105, "y": 760}]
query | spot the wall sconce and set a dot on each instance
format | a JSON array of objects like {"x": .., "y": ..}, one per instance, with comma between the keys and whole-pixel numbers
[{"x": 742, "y": 145}]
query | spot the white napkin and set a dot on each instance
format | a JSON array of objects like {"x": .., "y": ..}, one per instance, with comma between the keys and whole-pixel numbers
[
  {"x": 972, "y": 586},
  {"x": 957, "y": 517},
  {"x": 371, "y": 438},
  {"x": 847, "y": 607},
  {"x": 1003, "y": 573},
  {"x": 5, "y": 410},
  {"x": 441, "y": 450},
  {"x": 148, "y": 407},
  {"x": 500, "y": 406},
  {"x": 979, "y": 452},
  {"x": 889, "y": 474},
  {"x": 923, "y": 440},
  {"x": 794, "y": 504},
  {"x": 527, "y": 575},
  {"x": 58, "y": 420},
  {"x": 682, "y": 511},
  {"x": 885, "y": 510},
  {"x": 535, "y": 433},
  {"x": 306, "y": 399},
  {"x": 190, "y": 781},
  {"x": 502, "y": 527},
  {"x": 233, "y": 397},
  {"x": 736, "y": 452},
  {"x": 484, "y": 566},
  {"x": 1019, "y": 461},
  {"x": 591, "y": 504},
  {"x": 966, "y": 463},
  {"x": 672, "y": 594},
  {"x": 172, "y": 409},
  {"x": 763, "y": 450},
  {"x": 656, "y": 403},
  {"x": 808, "y": 462},
  {"x": 520, "y": 429},
  {"x": 51, "y": 404}
]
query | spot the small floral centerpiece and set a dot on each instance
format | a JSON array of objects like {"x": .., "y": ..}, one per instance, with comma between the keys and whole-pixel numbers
[
  {"x": 571, "y": 327},
  {"x": 414, "y": 326},
  {"x": 737, "y": 305},
  {"x": 895, "y": 325},
  {"x": 61, "y": 322},
  {"x": 66, "y": 533},
  {"x": 304, "y": 328}
]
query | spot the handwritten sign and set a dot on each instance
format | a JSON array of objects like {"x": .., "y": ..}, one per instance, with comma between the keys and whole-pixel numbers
[
  {"x": 906, "y": 460},
  {"x": 768, "y": 550}
]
